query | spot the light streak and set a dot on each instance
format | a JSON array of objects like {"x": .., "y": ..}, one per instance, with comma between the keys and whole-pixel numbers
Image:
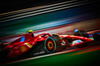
[
  {"x": 35, "y": 8},
  {"x": 86, "y": 51},
  {"x": 38, "y": 12}
]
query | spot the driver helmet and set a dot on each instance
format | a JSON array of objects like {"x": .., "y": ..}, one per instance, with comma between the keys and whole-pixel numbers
[{"x": 29, "y": 31}]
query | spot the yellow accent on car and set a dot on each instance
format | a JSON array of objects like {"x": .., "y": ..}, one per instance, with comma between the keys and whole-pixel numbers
[
  {"x": 29, "y": 31},
  {"x": 39, "y": 36},
  {"x": 55, "y": 34},
  {"x": 28, "y": 44},
  {"x": 58, "y": 35},
  {"x": 72, "y": 35}
]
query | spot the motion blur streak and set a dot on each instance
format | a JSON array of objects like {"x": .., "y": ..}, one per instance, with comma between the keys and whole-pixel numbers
[
  {"x": 63, "y": 29},
  {"x": 38, "y": 12},
  {"x": 52, "y": 24},
  {"x": 35, "y": 8},
  {"x": 86, "y": 51}
]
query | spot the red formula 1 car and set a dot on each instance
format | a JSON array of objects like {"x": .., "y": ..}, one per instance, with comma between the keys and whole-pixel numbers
[
  {"x": 80, "y": 39},
  {"x": 60, "y": 42},
  {"x": 30, "y": 45},
  {"x": 26, "y": 43}
]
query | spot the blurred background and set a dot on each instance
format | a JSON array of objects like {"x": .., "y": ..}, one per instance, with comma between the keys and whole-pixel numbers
[{"x": 53, "y": 16}]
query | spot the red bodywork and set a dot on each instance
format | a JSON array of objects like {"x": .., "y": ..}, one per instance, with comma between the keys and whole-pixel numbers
[
  {"x": 16, "y": 48},
  {"x": 71, "y": 37}
]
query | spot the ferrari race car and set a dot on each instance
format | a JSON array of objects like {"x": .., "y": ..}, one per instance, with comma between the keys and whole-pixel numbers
[{"x": 30, "y": 45}]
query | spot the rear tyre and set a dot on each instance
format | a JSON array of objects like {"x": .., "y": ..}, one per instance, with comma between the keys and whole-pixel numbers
[{"x": 51, "y": 44}]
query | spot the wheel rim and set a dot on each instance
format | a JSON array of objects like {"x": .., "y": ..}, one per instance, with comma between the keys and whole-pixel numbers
[{"x": 50, "y": 45}]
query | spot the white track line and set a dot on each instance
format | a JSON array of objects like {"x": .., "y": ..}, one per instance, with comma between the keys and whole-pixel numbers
[
  {"x": 41, "y": 13},
  {"x": 34, "y": 8},
  {"x": 60, "y": 6}
]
